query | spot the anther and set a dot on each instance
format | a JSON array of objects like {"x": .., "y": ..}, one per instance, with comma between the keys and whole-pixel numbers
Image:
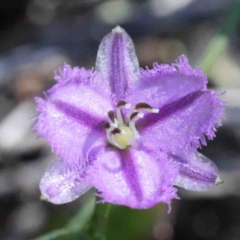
[
  {"x": 115, "y": 131},
  {"x": 142, "y": 105},
  {"x": 121, "y": 104},
  {"x": 106, "y": 125},
  {"x": 111, "y": 116},
  {"x": 133, "y": 118},
  {"x": 120, "y": 133},
  {"x": 146, "y": 107}
]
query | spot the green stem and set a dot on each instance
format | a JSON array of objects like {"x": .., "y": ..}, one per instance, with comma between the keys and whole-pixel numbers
[
  {"x": 220, "y": 42},
  {"x": 75, "y": 227},
  {"x": 99, "y": 222}
]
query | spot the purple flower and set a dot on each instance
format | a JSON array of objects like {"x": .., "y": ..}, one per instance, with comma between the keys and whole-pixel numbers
[{"x": 131, "y": 133}]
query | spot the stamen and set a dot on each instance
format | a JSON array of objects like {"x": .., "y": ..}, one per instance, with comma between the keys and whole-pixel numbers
[
  {"x": 142, "y": 105},
  {"x": 123, "y": 104},
  {"x": 133, "y": 115},
  {"x": 119, "y": 116},
  {"x": 120, "y": 105},
  {"x": 108, "y": 133},
  {"x": 123, "y": 134},
  {"x": 133, "y": 118},
  {"x": 115, "y": 131},
  {"x": 155, "y": 110},
  {"x": 111, "y": 116},
  {"x": 106, "y": 125},
  {"x": 146, "y": 107}
]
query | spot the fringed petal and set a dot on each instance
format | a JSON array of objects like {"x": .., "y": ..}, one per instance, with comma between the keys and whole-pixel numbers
[
  {"x": 135, "y": 178},
  {"x": 71, "y": 116},
  {"x": 63, "y": 182},
  {"x": 188, "y": 112},
  {"x": 117, "y": 62},
  {"x": 196, "y": 172}
]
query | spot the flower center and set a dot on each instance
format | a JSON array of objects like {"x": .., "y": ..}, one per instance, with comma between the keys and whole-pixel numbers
[{"x": 123, "y": 134}]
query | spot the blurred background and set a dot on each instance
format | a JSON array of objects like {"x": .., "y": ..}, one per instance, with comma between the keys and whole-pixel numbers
[{"x": 38, "y": 36}]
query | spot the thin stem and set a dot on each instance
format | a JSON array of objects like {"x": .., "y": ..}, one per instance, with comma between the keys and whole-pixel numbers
[
  {"x": 220, "y": 42},
  {"x": 76, "y": 225},
  {"x": 105, "y": 221},
  {"x": 99, "y": 222}
]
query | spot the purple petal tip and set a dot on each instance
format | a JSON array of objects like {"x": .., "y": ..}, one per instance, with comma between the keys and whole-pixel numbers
[{"x": 118, "y": 29}]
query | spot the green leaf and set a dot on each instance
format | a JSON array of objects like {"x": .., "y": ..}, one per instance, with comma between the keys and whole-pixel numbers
[
  {"x": 129, "y": 224},
  {"x": 220, "y": 42},
  {"x": 74, "y": 229},
  {"x": 63, "y": 234},
  {"x": 84, "y": 214}
]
